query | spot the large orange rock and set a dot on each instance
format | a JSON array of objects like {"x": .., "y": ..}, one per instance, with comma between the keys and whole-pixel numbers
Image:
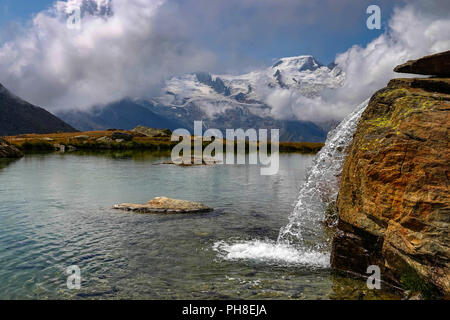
[{"x": 394, "y": 197}]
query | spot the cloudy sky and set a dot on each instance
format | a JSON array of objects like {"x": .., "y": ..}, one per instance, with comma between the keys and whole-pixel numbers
[{"x": 143, "y": 42}]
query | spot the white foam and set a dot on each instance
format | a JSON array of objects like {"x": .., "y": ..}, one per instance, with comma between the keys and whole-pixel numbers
[
  {"x": 322, "y": 184},
  {"x": 302, "y": 241},
  {"x": 271, "y": 252}
]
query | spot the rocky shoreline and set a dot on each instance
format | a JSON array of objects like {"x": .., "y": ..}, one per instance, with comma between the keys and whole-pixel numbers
[
  {"x": 394, "y": 196},
  {"x": 140, "y": 138},
  {"x": 9, "y": 151}
]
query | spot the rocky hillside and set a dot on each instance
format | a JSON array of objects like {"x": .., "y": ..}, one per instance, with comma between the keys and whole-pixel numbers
[
  {"x": 394, "y": 197},
  {"x": 18, "y": 116},
  {"x": 124, "y": 114},
  {"x": 9, "y": 151}
]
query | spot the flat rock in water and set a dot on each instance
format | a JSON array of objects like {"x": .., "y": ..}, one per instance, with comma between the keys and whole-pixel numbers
[
  {"x": 164, "y": 205},
  {"x": 191, "y": 161},
  {"x": 434, "y": 65}
]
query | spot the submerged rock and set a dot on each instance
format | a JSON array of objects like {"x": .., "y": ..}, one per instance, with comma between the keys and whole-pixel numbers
[
  {"x": 9, "y": 151},
  {"x": 164, "y": 205},
  {"x": 394, "y": 196},
  {"x": 192, "y": 161},
  {"x": 434, "y": 65}
]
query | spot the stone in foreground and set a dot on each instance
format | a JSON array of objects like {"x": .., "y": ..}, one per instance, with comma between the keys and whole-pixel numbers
[
  {"x": 433, "y": 65},
  {"x": 9, "y": 151},
  {"x": 164, "y": 205}
]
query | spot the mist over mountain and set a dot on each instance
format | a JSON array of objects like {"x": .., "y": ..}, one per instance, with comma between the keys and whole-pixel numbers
[{"x": 223, "y": 101}]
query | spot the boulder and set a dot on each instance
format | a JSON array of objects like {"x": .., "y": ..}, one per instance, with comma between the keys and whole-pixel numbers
[
  {"x": 151, "y": 132},
  {"x": 434, "y": 65},
  {"x": 9, "y": 151},
  {"x": 105, "y": 139},
  {"x": 59, "y": 147},
  {"x": 164, "y": 205},
  {"x": 394, "y": 197}
]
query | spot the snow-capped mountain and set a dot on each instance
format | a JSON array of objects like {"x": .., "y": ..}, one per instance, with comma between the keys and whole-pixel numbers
[
  {"x": 302, "y": 74},
  {"x": 100, "y": 8},
  {"x": 217, "y": 98},
  {"x": 238, "y": 101}
]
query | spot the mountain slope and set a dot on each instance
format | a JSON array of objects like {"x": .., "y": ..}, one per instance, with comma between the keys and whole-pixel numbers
[
  {"x": 126, "y": 114},
  {"x": 18, "y": 116}
]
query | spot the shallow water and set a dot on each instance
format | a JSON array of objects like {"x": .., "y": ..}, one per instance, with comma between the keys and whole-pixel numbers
[{"x": 55, "y": 211}]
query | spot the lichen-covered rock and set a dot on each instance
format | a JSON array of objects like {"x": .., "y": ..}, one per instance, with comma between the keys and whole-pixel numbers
[
  {"x": 394, "y": 197},
  {"x": 9, "y": 151},
  {"x": 151, "y": 132},
  {"x": 434, "y": 65},
  {"x": 164, "y": 205}
]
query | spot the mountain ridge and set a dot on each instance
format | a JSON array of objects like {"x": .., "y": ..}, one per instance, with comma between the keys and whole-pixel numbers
[
  {"x": 18, "y": 116},
  {"x": 225, "y": 101}
]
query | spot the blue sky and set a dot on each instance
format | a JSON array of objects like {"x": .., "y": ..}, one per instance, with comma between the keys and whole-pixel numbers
[
  {"x": 21, "y": 10},
  {"x": 320, "y": 31}
]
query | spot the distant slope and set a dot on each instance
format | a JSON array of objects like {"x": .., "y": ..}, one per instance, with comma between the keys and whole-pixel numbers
[
  {"x": 125, "y": 114},
  {"x": 18, "y": 116},
  {"x": 242, "y": 117}
]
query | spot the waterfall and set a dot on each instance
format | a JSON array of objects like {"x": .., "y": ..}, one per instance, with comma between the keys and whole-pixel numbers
[
  {"x": 319, "y": 192},
  {"x": 303, "y": 240}
]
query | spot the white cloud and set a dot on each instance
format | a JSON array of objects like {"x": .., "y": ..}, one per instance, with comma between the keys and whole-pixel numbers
[
  {"x": 131, "y": 51},
  {"x": 128, "y": 53},
  {"x": 412, "y": 34}
]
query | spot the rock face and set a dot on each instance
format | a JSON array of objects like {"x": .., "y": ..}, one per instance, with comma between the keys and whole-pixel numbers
[
  {"x": 9, "y": 151},
  {"x": 435, "y": 65},
  {"x": 394, "y": 197},
  {"x": 164, "y": 205}
]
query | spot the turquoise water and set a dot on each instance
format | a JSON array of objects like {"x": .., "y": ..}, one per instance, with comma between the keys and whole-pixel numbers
[{"x": 55, "y": 211}]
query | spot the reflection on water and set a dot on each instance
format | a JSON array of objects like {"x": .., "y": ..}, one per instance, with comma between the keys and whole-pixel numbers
[
  {"x": 6, "y": 162},
  {"x": 55, "y": 211}
]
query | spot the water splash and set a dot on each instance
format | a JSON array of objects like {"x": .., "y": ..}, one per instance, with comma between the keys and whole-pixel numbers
[
  {"x": 271, "y": 252},
  {"x": 303, "y": 240},
  {"x": 322, "y": 184}
]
